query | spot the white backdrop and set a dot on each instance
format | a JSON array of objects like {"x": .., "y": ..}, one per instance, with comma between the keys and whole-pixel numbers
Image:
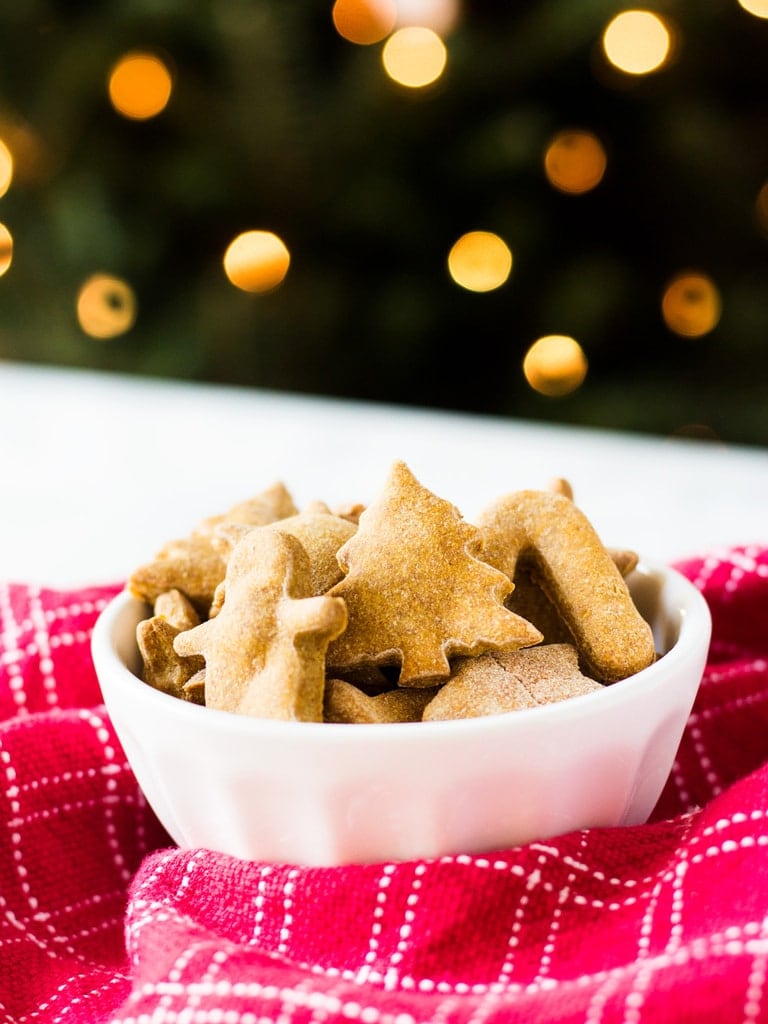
[{"x": 99, "y": 470}]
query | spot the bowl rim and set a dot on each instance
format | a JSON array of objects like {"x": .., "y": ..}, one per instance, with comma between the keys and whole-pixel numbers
[{"x": 695, "y": 625}]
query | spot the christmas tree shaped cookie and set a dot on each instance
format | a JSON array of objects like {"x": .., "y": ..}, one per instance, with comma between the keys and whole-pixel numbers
[{"x": 415, "y": 590}]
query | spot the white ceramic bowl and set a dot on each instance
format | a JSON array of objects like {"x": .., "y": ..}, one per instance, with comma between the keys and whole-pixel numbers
[{"x": 322, "y": 794}]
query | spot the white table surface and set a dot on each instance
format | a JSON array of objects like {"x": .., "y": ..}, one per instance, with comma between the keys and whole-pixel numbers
[{"x": 99, "y": 470}]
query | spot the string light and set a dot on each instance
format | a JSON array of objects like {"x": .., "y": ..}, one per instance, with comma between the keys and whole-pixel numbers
[
  {"x": 637, "y": 42},
  {"x": 480, "y": 261},
  {"x": 6, "y": 168},
  {"x": 575, "y": 161},
  {"x": 441, "y": 16},
  {"x": 364, "y": 21},
  {"x": 414, "y": 56},
  {"x": 106, "y": 306},
  {"x": 140, "y": 85},
  {"x": 757, "y": 7},
  {"x": 691, "y": 305},
  {"x": 555, "y": 365},
  {"x": 6, "y": 249},
  {"x": 256, "y": 261}
]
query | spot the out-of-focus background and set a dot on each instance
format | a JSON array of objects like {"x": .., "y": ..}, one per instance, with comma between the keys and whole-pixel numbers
[{"x": 555, "y": 209}]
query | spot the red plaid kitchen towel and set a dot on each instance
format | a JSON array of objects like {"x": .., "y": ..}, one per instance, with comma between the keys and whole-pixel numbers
[{"x": 101, "y": 919}]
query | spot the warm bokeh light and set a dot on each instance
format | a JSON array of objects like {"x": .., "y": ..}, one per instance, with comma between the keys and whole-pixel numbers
[
  {"x": 414, "y": 56},
  {"x": 6, "y": 168},
  {"x": 6, "y": 249},
  {"x": 441, "y": 16},
  {"x": 575, "y": 161},
  {"x": 106, "y": 306},
  {"x": 757, "y": 7},
  {"x": 364, "y": 21},
  {"x": 25, "y": 159},
  {"x": 555, "y": 365},
  {"x": 691, "y": 305},
  {"x": 256, "y": 261},
  {"x": 480, "y": 261},
  {"x": 637, "y": 42},
  {"x": 140, "y": 85}
]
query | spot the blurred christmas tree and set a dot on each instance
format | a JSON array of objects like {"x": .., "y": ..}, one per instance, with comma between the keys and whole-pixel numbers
[{"x": 619, "y": 182}]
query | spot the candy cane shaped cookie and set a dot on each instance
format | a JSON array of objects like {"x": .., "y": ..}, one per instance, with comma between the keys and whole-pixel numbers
[{"x": 546, "y": 532}]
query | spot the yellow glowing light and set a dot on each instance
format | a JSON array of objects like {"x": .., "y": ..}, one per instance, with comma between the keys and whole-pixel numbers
[
  {"x": 757, "y": 7},
  {"x": 106, "y": 306},
  {"x": 364, "y": 21},
  {"x": 637, "y": 42},
  {"x": 691, "y": 305},
  {"x": 414, "y": 56},
  {"x": 140, "y": 86},
  {"x": 555, "y": 365},
  {"x": 480, "y": 261},
  {"x": 6, "y": 168},
  {"x": 256, "y": 261},
  {"x": 6, "y": 249},
  {"x": 575, "y": 161},
  {"x": 441, "y": 16}
]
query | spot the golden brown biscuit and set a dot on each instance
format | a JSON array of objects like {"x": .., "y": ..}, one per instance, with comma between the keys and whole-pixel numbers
[
  {"x": 176, "y": 608},
  {"x": 625, "y": 561},
  {"x": 196, "y": 564},
  {"x": 190, "y": 565},
  {"x": 530, "y": 601},
  {"x": 351, "y": 511},
  {"x": 416, "y": 590},
  {"x": 505, "y": 681},
  {"x": 269, "y": 505},
  {"x": 321, "y": 534},
  {"x": 547, "y": 532},
  {"x": 194, "y": 688},
  {"x": 348, "y": 705},
  {"x": 162, "y": 668},
  {"x": 559, "y": 485},
  {"x": 265, "y": 650}
]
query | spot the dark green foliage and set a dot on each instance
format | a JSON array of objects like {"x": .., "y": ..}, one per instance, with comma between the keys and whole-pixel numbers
[{"x": 276, "y": 122}]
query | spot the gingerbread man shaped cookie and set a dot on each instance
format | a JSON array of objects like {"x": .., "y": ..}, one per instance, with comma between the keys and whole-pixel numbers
[{"x": 265, "y": 649}]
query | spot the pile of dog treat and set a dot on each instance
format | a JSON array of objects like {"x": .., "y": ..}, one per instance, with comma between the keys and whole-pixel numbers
[{"x": 399, "y": 611}]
